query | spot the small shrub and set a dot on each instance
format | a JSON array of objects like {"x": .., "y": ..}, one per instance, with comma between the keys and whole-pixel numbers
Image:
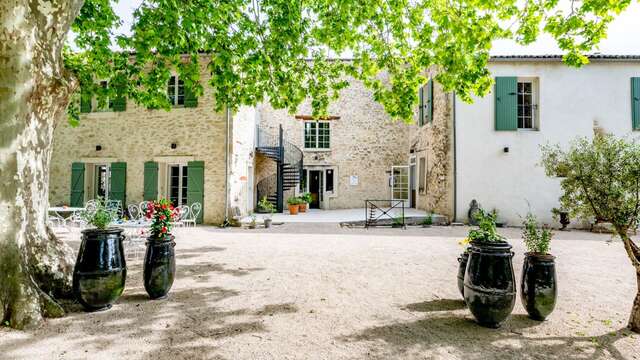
[
  {"x": 486, "y": 231},
  {"x": 536, "y": 239},
  {"x": 101, "y": 217}
]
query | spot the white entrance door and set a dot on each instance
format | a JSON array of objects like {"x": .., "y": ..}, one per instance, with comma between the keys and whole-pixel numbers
[{"x": 400, "y": 183}]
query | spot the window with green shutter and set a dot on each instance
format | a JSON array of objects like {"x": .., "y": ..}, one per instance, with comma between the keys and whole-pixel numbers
[
  {"x": 190, "y": 99},
  {"x": 635, "y": 103},
  {"x": 118, "y": 182},
  {"x": 420, "y": 105},
  {"x": 428, "y": 117},
  {"x": 120, "y": 100},
  {"x": 85, "y": 101},
  {"x": 77, "y": 185},
  {"x": 195, "y": 185},
  {"x": 150, "y": 181},
  {"x": 506, "y": 103}
]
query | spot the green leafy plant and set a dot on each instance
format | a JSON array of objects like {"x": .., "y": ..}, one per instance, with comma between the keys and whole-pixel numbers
[
  {"x": 486, "y": 231},
  {"x": 428, "y": 220},
  {"x": 601, "y": 181},
  {"x": 161, "y": 213},
  {"x": 266, "y": 206},
  {"x": 306, "y": 197},
  {"x": 101, "y": 216},
  {"x": 536, "y": 239},
  {"x": 294, "y": 200}
]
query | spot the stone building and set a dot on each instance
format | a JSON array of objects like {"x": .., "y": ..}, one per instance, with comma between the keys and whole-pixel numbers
[
  {"x": 454, "y": 153},
  {"x": 489, "y": 150},
  {"x": 347, "y": 156},
  {"x": 128, "y": 153}
]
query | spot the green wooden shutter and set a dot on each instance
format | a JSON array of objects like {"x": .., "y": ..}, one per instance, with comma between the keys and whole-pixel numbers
[
  {"x": 118, "y": 188},
  {"x": 429, "y": 103},
  {"x": 85, "y": 101},
  {"x": 506, "y": 108},
  {"x": 635, "y": 103},
  {"x": 150, "y": 181},
  {"x": 190, "y": 99},
  {"x": 195, "y": 185},
  {"x": 120, "y": 101},
  {"x": 421, "y": 107},
  {"x": 77, "y": 185}
]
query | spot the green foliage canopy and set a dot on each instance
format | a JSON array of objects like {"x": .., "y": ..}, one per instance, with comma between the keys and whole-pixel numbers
[{"x": 261, "y": 49}]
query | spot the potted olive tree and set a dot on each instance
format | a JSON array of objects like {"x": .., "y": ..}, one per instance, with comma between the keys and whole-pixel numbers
[
  {"x": 538, "y": 286},
  {"x": 159, "y": 261},
  {"x": 294, "y": 205},
  {"x": 100, "y": 271},
  {"x": 489, "y": 283}
]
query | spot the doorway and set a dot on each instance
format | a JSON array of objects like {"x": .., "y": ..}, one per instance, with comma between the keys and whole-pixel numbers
[
  {"x": 412, "y": 182},
  {"x": 102, "y": 178},
  {"x": 315, "y": 188},
  {"x": 178, "y": 176}
]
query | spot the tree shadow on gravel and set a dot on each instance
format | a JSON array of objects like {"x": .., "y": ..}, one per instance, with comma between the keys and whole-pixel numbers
[
  {"x": 189, "y": 324},
  {"x": 436, "y": 305},
  {"x": 460, "y": 337}
]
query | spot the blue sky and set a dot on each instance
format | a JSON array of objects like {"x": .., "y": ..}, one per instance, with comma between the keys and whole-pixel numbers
[{"x": 623, "y": 34}]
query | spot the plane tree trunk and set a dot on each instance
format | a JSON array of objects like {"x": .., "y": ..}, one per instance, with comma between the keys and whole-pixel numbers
[{"x": 35, "y": 266}]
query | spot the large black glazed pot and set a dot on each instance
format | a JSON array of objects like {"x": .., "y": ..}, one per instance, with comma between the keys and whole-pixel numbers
[
  {"x": 100, "y": 271},
  {"x": 538, "y": 286},
  {"x": 159, "y": 267},
  {"x": 462, "y": 268},
  {"x": 489, "y": 283}
]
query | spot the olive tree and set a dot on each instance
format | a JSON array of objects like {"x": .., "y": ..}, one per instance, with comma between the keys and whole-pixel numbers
[
  {"x": 601, "y": 181},
  {"x": 259, "y": 51}
]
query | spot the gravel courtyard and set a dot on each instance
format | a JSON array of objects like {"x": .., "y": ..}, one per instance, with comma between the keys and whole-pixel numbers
[{"x": 317, "y": 291}]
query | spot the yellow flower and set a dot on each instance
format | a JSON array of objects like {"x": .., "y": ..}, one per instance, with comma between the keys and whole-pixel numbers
[{"x": 464, "y": 241}]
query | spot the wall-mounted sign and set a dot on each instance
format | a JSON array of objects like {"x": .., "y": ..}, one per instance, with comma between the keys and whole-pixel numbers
[{"x": 353, "y": 180}]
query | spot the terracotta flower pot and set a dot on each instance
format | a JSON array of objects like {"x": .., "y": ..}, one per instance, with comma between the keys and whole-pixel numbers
[
  {"x": 302, "y": 207},
  {"x": 293, "y": 209}
]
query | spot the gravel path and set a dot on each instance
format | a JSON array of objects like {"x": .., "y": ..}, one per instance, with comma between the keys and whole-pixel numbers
[{"x": 316, "y": 291}]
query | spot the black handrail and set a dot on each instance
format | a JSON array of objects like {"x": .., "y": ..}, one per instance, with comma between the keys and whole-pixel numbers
[
  {"x": 372, "y": 206},
  {"x": 285, "y": 153}
]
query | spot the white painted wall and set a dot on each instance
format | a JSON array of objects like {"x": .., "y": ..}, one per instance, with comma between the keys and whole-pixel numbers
[
  {"x": 241, "y": 180},
  {"x": 571, "y": 100}
]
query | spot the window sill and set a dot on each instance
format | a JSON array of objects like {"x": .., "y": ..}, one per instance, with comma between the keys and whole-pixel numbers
[{"x": 316, "y": 150}]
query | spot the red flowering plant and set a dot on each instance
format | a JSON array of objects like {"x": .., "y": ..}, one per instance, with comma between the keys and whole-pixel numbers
[{"x": 161, "y": 213}]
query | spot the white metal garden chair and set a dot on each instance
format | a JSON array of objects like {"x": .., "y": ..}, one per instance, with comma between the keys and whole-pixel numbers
[
  {"x": 134, "y": 211},
  {"x": 114, "y": 207},
  {"x": 143, "y": 208},
  {"x": 194, "y": 211},
  {"x": 181, "y": 213}
]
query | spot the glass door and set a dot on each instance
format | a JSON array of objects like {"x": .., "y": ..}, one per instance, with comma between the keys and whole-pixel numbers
[
  {"x": 400, "y": 183},
  {"x": 102, "y": 179},
  {"x": 178, "y": 175}
]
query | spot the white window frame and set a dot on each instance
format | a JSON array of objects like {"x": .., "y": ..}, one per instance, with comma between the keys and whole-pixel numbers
[
  {"x": 176, "y": 89},
  {"x": 181, "y": 166},
  {"x": 535, "y": 103},
  {"x": 317, "y": 136}
]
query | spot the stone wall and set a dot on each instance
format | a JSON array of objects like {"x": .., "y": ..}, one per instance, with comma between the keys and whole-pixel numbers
[
  {"x": 434, "y": 142},
  {"x": 138, "y": 135},
  {"x": 365, "y": 142}
]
